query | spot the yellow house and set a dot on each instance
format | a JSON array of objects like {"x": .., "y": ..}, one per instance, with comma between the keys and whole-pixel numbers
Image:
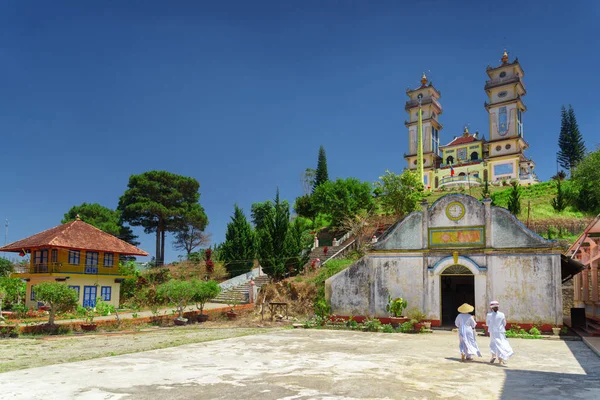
[{"x": 77, "y": 253}]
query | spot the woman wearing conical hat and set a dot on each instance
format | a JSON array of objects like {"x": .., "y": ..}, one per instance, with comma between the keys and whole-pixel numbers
[{"x": 466, "y": 332}]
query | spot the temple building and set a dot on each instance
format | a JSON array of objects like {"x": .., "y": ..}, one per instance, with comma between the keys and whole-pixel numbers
[
  {"x": 470, "y": 158},
  {"x": 454, "y": 251}
]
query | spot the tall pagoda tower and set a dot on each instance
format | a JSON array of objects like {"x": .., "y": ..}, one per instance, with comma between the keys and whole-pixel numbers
[
  {"x": 427, "y": 98},
  {"x": 506, "y": 145}
]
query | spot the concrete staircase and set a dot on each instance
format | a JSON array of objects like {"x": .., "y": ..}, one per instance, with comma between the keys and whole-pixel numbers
[
  {"x": 240, "y": 292},
  {"x": 592, "y": 327}
]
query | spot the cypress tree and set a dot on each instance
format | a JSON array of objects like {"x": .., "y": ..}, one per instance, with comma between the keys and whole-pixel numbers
[
  {"x": 514, "y": 201},
  {"x": 239, "y": 248},
  {"x": 559, "y": 203},
  {"x": 271, "y": 238},
  {"x": 572, "y": 148},
  {"x": 321, "y": 176}
]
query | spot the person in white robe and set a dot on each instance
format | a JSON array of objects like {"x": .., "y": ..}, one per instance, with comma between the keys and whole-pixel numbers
[
  {"x": 466, "y": 332},
  {"x": 496, "y": 323}
]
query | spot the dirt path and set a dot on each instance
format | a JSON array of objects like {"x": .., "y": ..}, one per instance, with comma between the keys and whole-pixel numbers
[{"x": 36, "y": 352}]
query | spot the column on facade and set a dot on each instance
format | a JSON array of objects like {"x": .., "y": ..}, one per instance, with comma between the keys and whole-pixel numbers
[
  {"x": 577, "y": 288},
  {"x": 585, "y": 284},
  {"x": 594, "y": 270}
]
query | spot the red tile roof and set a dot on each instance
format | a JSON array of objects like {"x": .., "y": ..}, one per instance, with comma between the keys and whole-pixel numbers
[
  {"x": 462, "y": 140},
  {"x": 76, "y": 235}
]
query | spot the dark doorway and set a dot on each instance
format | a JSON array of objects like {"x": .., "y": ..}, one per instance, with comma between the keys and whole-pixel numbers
[{"x": 456, "y": 289}]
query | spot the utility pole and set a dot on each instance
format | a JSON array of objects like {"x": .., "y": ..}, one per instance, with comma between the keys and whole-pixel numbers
[
  {"x": 6, "y": 232},
  {"x": 528, "y": 210}
]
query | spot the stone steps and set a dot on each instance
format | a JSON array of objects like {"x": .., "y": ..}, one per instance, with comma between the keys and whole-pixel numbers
[{"x": 240, "y": 293}]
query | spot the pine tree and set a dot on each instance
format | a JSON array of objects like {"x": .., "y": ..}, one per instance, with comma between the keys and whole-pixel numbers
[
  {"x": 514, "y": 201},
  {"x": 577, "y": 139},
  {"x": 559, "y": 203},
  {"x": 239, "y": 248},
  {"x": 486, "y": 190},
  {"x": 321, "y": 175},
  {"x": 570, "y": 141}
]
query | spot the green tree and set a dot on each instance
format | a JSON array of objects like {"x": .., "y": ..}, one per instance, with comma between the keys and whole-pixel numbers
[
  {"x": 203, "y": 292},
  {"x": 304, "y": 207},
  {"x": 259, "y": 211},
  {"x": 271, "y": 237},
  {"x": 559, "y": 203},
  {"x": 58, "y": 296},
  {"x": 179, "y": 293},
  {"x": 6, "y": 267},
  {"x": 486, "y": 190},
  {"x": 321, "y": 175},
  {"x": 298, "y": 243},
  {"x": 585, "y": 187},
  {"x": 103, "y": 218},
  {"x": 161, "y": 202},
  {"x": 514, "y": 200},
  {"x": 15, "y": 290},
  {"x": 239, "y": 248},
  {"x": 342, "y": 199},
  {"x": 400, "y": 194},
  {"x": 571, "y": 144}
]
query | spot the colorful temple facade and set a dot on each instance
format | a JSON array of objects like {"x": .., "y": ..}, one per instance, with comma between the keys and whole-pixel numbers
[{"x": 471, "y": 159}]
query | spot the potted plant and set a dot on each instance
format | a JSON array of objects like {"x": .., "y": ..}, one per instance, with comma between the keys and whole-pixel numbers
[
  {"x": 556, "y": 330},
  {"x": 89, "y": 324},
  {"x": 233, "y": 301},
  {"x": 417, "y": 318},
  {"x": 395, "y": 307},
  {"x": 179, "y": 293},
  {"x": 203, "y": 292}
]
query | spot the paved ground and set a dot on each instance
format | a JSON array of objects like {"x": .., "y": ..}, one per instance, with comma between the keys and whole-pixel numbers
[{"x": 309, "y": 364}]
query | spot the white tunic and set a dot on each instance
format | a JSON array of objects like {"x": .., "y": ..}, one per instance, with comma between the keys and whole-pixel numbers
[
  {"x": 496, "y": 322},
  {"x": 466, "y": 335}
]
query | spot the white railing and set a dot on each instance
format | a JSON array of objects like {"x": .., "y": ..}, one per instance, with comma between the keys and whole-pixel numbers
[
  {"x": 240, "y": 279},
  {"x": 339, "y": 252}
]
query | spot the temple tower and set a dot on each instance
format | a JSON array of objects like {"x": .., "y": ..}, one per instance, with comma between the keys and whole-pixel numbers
[
  {"x": 506, "y": 145},
  {"x": 428, "y": 97}
]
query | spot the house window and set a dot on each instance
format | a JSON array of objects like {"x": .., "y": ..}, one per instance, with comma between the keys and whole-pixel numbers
[
  {"x": 74, "y": 257},
  {"x": 435, "y": 140},
  {"x": 474, "y": 156},
  {"x": 32, "y": 296},
  {"x": 449, "y": 160},
  {"x": 54, "y": 257},
  {"x": 105, "y": 292},
  {"x": 109, "y": 259},
  {"x": 75, "y": 288},
  {"x": 91, "y": 262}
]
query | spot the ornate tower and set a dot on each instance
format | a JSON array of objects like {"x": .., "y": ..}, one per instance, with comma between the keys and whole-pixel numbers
[
  {"x": 427, "y": 97},
  {"x": 506, "y": 146}
]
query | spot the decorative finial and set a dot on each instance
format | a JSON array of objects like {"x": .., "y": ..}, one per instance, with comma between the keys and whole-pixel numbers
[
  {"x": 77, "y": 218},
  {"x": 466, "y": 131},
  {"x": 424, "y": 79},
  {"x": 505, "y": 57}
]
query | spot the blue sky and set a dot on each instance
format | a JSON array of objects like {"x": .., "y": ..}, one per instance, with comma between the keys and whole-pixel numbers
[{"x": 240, "y": 95}]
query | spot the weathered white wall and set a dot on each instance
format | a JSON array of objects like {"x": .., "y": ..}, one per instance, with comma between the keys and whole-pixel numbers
[
  {"x": 527, "y": 287},
  {"x": 363, "y": 288}
]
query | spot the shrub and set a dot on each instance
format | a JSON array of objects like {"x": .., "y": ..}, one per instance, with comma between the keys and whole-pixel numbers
[
  {"x": 396, "y": 306},
  {"x": 371, "y": 325},
  {"x": 387, "y": 328},
  {"x": 204, "y": 291},
  {"x": 179, "y": 293},
  {"x": 415, "y": 314},
  {"x": 534, "y": 331},
  {"x": 406, "y": 327}
]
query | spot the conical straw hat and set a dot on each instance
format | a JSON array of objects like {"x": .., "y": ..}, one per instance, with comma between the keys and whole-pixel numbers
[{"x": 466, "y": 308}]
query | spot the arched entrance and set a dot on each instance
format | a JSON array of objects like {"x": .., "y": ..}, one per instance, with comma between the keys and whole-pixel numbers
[{"x": 457, "y": 287}]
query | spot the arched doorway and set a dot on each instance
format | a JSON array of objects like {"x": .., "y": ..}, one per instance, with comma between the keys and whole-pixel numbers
[{"x": 457, "y": 287}]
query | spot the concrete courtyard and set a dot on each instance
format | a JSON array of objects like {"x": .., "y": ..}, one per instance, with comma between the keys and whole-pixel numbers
[{"x": 318, "y": 364}]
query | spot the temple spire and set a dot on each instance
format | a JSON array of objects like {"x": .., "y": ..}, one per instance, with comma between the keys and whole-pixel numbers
[
  {"x": 424, "y": 79},
  {"x": 505, "y": 57}
]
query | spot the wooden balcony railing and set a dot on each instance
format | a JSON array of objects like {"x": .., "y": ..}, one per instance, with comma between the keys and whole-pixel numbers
[{"x": 51, "y": 268}]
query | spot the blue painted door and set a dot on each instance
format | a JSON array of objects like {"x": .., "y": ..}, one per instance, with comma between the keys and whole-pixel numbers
[{"x": 89, "y": 296}]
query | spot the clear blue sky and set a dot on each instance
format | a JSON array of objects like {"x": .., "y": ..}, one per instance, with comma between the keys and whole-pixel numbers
[{"x": 240, "y": 95}]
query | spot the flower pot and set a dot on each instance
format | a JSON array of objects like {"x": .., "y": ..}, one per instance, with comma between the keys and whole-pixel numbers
[
  {"x": 231, "y": 315},
  {"x": 396, "y": 321},
  {"x": 88, "y": 327},
  {"x": 427, "y": 325},
  {"x": 180, "y": 321},
  {"x": 556, "y": 331},
  {"x": 201, "y": 318},
  {"x": 418, "y": 326}
]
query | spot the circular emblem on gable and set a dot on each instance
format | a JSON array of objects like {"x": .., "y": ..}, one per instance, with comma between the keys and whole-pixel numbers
[
  {"x": 503, "y": 94},
  {"x": 455, "y": 211},
  {"x": 502, "y": 74}
]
